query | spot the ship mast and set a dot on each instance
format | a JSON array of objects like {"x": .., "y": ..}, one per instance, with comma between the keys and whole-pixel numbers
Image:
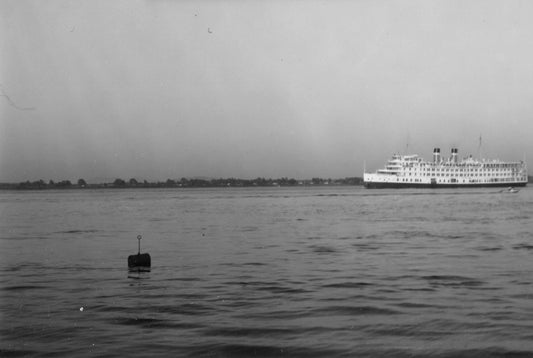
[{"x": 479, "y": 149}]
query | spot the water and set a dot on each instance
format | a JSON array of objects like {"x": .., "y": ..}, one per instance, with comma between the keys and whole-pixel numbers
[{"x": 296, "y": 272}]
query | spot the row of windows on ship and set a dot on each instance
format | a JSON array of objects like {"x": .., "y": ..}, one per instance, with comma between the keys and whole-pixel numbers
[
  {"x": 453, "y": 180},
  {"x": 470, "y": 165},
  {"x": 465, "y": 174},
  {"x": 467, "y": 170},
  {"x": 438, "y": 174}
]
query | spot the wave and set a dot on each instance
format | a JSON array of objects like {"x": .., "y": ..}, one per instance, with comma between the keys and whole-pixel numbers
[
  {"x": 78, "y": 231},
  {"x": 259, "y": 350},
  {"x": 523, "y": 246},
  {"x": 353, "y": 311},
  {"x": 452, "y": 281},
  {"x": 23, "y": 288},
  {"x": 8, "y": 353},
  {"x": 322, "y": 249},
  {"x": 348, "y": 284},
  {"x": 488, "y": 248},
  {"x": 246, "y": 331}
]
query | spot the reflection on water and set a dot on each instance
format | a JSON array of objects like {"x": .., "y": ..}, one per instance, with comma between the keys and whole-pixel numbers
[
  {"x": 305, "y": 272},
  {"x": 138, "y": 272}
]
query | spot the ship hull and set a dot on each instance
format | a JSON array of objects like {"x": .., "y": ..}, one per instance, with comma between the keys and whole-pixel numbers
[{"x": 391, "y": 185}]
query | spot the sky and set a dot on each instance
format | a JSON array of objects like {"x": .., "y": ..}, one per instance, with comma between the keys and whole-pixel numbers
[{"x": 157, "y": 89}]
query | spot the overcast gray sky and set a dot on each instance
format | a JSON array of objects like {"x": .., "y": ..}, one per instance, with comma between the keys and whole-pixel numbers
[{"x": 161, "y": 89}]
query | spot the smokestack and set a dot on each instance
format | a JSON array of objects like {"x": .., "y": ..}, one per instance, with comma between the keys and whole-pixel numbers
[
  {"x": 454, "y": 155},
  {"x": 436, "y": 155}
]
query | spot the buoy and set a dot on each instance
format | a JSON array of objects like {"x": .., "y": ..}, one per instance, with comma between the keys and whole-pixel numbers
[{"x": 139, "y": 261}]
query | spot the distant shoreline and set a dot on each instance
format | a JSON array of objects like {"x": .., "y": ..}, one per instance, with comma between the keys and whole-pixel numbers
[
  {"x": 81, "y": 184},
  {"x": 185, "y": 183}
]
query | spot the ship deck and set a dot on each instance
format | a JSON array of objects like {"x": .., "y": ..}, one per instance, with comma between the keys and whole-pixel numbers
[{"x": 400, "y": 185}]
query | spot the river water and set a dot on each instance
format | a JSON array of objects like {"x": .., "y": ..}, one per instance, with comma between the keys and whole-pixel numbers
[{"x": 267, "y": 272}]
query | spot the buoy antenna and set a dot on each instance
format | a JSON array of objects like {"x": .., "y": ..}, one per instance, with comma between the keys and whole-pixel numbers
[{"x": 139, "y": 237}]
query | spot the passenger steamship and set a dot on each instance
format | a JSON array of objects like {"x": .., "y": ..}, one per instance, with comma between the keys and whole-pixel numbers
[{"x": 411, "y": 171}]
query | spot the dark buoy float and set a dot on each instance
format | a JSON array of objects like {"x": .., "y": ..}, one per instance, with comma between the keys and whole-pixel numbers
[{"x": 140, "y": 261}]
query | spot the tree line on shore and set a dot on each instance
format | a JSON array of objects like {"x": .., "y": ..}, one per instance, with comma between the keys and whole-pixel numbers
[{"x": 179, "y": 183}]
